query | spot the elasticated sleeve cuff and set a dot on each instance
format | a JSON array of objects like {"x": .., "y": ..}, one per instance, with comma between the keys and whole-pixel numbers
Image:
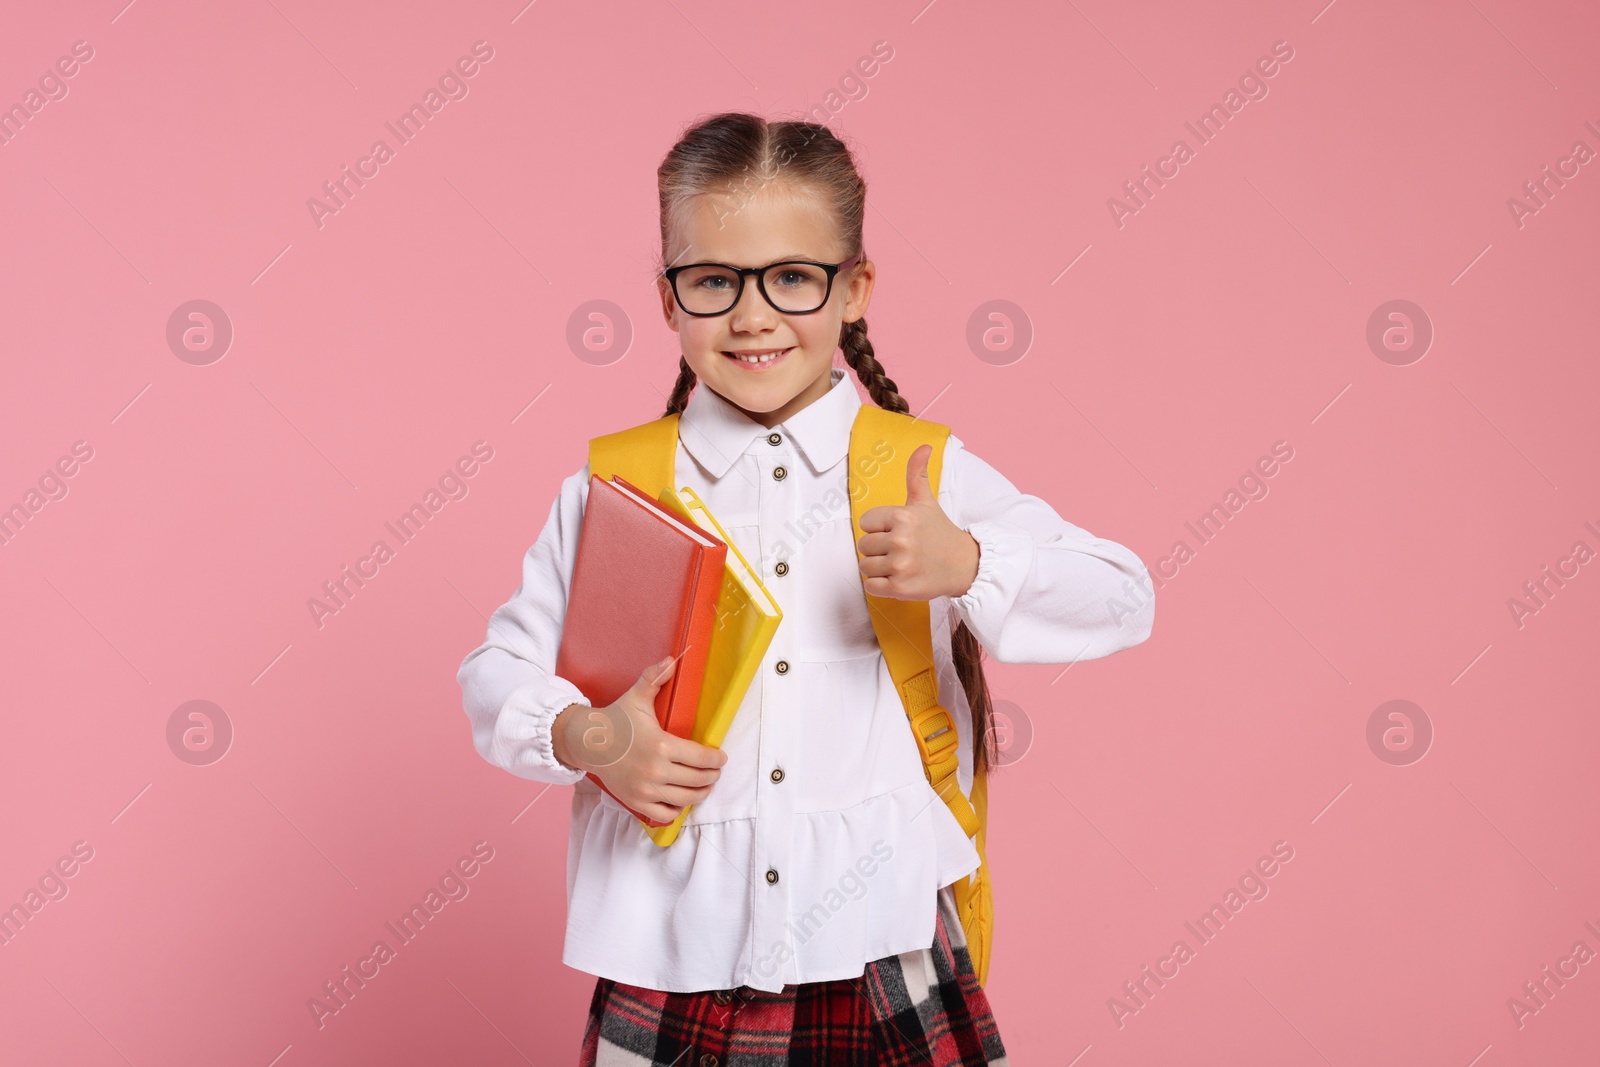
[
  {"x": 524, "y": 730},
  {"x": 1005, "y": 554}
]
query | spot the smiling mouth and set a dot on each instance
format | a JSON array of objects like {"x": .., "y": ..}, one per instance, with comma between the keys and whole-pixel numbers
[{"x": 759, "y": 358}]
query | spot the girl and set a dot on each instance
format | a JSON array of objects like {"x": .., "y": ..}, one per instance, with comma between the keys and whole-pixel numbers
[{"x": 806, "y": 913}]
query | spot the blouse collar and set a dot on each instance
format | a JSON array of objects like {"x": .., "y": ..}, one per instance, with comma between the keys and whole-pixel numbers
[{"x": 716, "y": 433}]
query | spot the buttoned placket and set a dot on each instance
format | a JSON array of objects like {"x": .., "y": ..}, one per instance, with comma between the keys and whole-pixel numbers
[{"x": 778, "y": 504}]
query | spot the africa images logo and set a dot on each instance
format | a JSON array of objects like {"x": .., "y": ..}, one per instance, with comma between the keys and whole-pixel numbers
[
  {"x": 452, "y": 85},
  {"x": 1252, "y": 86}
]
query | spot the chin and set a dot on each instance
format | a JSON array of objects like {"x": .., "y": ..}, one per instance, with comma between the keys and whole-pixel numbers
[{"x": 761, "y": 400}]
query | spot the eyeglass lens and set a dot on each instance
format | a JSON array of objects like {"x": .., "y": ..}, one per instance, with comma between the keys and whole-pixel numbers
[{"x": 794, "y": 288}]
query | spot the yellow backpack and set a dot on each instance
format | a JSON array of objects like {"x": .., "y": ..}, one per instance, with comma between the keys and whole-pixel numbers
[{"x": 645, "y": 455}]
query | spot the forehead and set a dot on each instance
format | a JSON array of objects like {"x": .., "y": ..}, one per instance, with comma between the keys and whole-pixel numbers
[{"x": 747, "y": 226}]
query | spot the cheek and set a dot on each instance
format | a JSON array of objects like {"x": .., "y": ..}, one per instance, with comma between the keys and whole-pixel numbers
[
  {"x": 700, "y": 361},
  {"x": 817, "y": 333},
  {"x": 699, "y": 336}
]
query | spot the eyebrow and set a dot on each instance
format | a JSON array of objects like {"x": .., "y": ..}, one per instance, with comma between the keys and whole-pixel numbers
[{"x": 783, "y": 258}]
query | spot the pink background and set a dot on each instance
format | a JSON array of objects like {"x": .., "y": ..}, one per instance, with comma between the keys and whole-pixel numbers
[{"x": 369, "y": 354}]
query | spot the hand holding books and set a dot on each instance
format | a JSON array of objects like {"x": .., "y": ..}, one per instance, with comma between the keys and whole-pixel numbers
[
  {"x": 655, "y": 773},
  {"x": 652, "y": 578}
]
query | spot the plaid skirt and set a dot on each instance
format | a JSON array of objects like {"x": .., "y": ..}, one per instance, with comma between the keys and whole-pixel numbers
[{"x": 922, "y": 1008}]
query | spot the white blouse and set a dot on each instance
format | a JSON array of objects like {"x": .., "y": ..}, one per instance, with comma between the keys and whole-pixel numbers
[{"x": 809, "y": 875}]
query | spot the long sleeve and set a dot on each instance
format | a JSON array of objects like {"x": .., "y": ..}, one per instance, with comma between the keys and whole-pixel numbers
[
  {"x": 508, "y": 684},
  {"x": 1046, "y": 591}
]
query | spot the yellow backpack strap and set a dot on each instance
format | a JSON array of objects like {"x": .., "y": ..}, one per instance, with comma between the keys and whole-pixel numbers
[
  {"x": 974, "y": 896},
  {"x": 643, "y": 455},
  {"x": 881, "y": 443}
]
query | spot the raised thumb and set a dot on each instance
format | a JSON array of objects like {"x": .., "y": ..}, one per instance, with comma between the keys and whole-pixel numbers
[{"x": 918, "y": 488}]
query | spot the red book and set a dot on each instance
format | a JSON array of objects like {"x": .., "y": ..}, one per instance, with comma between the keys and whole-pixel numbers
[{"x": 645, "y": 585}]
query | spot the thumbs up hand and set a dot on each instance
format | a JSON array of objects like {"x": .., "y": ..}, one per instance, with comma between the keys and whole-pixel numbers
[{"x": 914, "y": 551}]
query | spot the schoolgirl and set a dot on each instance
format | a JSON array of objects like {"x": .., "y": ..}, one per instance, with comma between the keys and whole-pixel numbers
[{"x": 806, "y": 914}]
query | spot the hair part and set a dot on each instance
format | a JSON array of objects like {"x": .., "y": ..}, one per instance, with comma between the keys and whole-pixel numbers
[{"x": 736, "y": 154}]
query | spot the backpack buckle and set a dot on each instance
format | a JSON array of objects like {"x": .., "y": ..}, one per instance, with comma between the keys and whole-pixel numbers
[{"x": 936, "y": 736}]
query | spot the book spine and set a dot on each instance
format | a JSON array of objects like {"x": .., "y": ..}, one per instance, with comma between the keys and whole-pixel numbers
[
  {"x": 707, "y": 588},
  {"x": 667, "y": 710}
]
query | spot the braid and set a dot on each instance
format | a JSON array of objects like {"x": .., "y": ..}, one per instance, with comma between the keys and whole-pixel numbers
[
  {"x": 967, "y": 655},
  {"x": 680, "y": 389},
  {"x": 858, "y": 356}
]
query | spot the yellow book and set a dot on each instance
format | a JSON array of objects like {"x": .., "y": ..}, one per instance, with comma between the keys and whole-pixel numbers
[{"x": 747, "y": 617}]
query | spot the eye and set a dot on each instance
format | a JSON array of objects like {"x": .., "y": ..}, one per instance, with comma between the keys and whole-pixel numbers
[{"x": 792, "y": 277}]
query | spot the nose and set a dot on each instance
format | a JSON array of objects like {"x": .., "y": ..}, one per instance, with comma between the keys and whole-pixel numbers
[{"x": 752, "y": 314}]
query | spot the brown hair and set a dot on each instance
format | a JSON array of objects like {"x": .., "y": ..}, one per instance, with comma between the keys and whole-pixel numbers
[{"x": 727, "y": 152}]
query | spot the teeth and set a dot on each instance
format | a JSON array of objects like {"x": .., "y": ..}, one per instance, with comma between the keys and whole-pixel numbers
[{"x": 757, "y": 359}]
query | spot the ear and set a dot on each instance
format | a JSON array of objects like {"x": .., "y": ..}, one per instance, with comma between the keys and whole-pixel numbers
[
  {"x": 669, "y": 305},
  {"x": 858, "y": 294}
]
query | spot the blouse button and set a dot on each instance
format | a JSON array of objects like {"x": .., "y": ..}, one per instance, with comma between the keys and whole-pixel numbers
[
  {"x": 777, "y": 774},
  {"x": 774, "y": 438},
  {"x": 772, "y": 876},
  {"x": 782, "y": 666},
  {"x": 782, "y": 568},
  {"x": 779, "y": 473}
]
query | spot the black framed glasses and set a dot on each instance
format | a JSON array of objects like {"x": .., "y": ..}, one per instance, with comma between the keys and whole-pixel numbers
[{"x": 793, "y": 287}]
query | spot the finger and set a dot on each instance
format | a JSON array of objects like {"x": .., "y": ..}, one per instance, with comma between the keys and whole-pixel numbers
[
  {"x": 663, "y": 802},
  {"x": 686, "y": 797},
  {"x": 653, "y": 802},
  {"x": 880, "y": 586},
  {"x": 899, "y": 587},
  {"x": 692, "y": 754},
  {"x": 678, "y": 796},
  {"x": 661, "y": 813},
  {"x": 876, "y": 567},
  {"x": 685, "y": 777},
  {"x": 875, "y": 544},
  {"x": 877, "y": 519},
  {"x": 919, "y": 490}
]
